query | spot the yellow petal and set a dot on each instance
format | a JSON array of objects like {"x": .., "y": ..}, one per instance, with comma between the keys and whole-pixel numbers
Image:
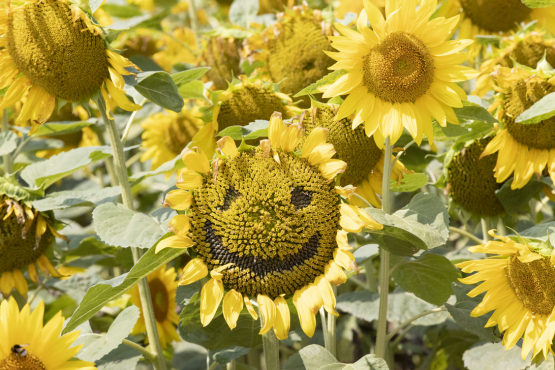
[
  {"x": 290, "y": 138},
  {"x": 15, "y": 92},
  {"x": 268, "y": 312},
  {"x": 306, "y": 317},
  {"x": 196, "y": 160},
  {"x": 210, "y": 297},
  {"x": 276, "y": 127},
  {"x": 311, "y": 296},
  {"x": 32, "y": 270},
  {"x": 227, "y": 146},
  {"x": 250, "y": 307},
  {"x": 189, "y": 180},
  {"x": 332, "y": 168},
  {"x": 345, "y": 259},
  {"x": 195, "y": 270},
  {"x": 317, "y": 137},
  {"x": 175, "y": 241},
  {"x": 342, "y": 240},
  {"x": 7, "y": 283},
  {"x": 334, "y": 274},
  {"x": 119, "y": 97},
  {"x": 326, "y": 292},
  {"x": 178, "y": 199},
  {"x": 180, "y": 225},
  {"x": 283, "y": 318},
  {"x": 321, "y": 154},
  {"x": 205, "y": 139},
  {"x": 20, "y": 283},
  {"x": 232, "y": 306}
]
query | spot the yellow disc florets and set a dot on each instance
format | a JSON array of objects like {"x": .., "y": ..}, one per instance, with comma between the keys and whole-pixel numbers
[
  {"x": 495, "y": 15},
  {"x": 56, "y": 50},
  {"x": 16, "y": 361}
]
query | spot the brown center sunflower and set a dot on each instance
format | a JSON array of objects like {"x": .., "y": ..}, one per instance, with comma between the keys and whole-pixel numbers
[
  {"x": 399, "y": 69},
  {"x": 529, "y": 52},
  {"x": 495, "y": 15},
  {"x": 520, "y": 97},
  {"x": 179, "y": 133},
  {"x": 159, "y": 296},
  {"x": 17, "y": 361},
  {"x": 55, "y": 51},
  {"x": 533, "y": 283}
]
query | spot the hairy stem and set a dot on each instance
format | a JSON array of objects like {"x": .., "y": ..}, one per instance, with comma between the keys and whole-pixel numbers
[
  {"x": 325, "y": 328},
  {"x": 485, "y": 228},
  {"x": 6, "y": 159},
  {"x": 145, "y": 352},
  {"x": 416, "y": 317},
  {"x": 465, "y": 233},
  {"x": 271, "y": 350}
]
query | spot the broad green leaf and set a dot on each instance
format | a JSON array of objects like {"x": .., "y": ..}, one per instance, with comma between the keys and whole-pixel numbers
[
  {"x": 8, "y": 142},
  {"x": 169, "y": 166},
  {"x": 488, "y": 40},
  {"x": 515, "y": 200},
  {"x": 193, "y": 90},
  {"x": 182, "y": 78},
  {"x": 12, "y": 189},
  {"x": 94, "y": 4},
  {"x": 36, "y": 145},
  {"x": 474, "y": 112},
  {"x": 449, "y": 132},
  {"x": 543, "y": 232},
  {"x": 159, "y": 88},
  {"x": 541, "y": 110},
  {"x": 122, "y": 11},
  {"x": 253, "y": 130},
  {"x": 226, "y": 355},
  {"x": 77, "y": 284},
  {"x": 326, "y": 80},
  {"x": 362, "y": 304},
  {"x": 476, "y": 130},
  {"x": 119, "y": 226},
  {"x": 410, "y": 182},
  {"x": 402, "y": 306},
  {"x": 45, "y": 173},
  {"x": 119, "y": 330},
  {"x": 100, "y": 294},
  {"x": 243, "y": 12},
  {"x": 494, "y": 356},
  {"x": 315, "y": 357},
  {"x": 394, "y": 239},
  {"x": 77, "y": 198},
  {"x": 429, "y": 278},
  {"x": 121, "y": 358},
  {"x": 538, "y": 3}
]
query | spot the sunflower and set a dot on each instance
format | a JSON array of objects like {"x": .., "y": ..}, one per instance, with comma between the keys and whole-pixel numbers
[
  {"x": 354, "y": 6},
  {"x": 470, "y": 180},
  {"x": 401, "y": 73},
  {"x": 364, "y": 159},
  {"x": 519, "y": 285},
  {"x": 293, "y": 49},
  {"x": 163, "y": 285},
  {"x": 28, "y": 344},
  {"x": 222, "y": 55},
  {"x": 167, "y": 134},
  {"x": 526, "y": 49},
  {"x": 25, "y": 235},
  {"x": 523, "y": 149},
  {"x": 266, "y": 222},
  {"x": 71, "y": 64},
  {"x": 494, "y": 17},
  {"x": 178, "y": 46}
]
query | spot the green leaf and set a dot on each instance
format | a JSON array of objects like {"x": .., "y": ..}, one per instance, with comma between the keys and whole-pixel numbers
[
  {"x": 45, "y": 173},
  {"x": 402, "y": 306},
  {"x": 34, "y": 146},
  {"x": 449, "y": 132},
  {"x": 394, "y": 239},
  {"x": 100, "y": 294},
  {"x": 429, "y": 278},
  {"x": 515, "y": 200},
  {"x": 119, "y": 330},
  {"x": 315, "y": 357},
  {"x": 243, "y": 12},
  {"x": 538, "y": 3},
  {"x": 227, "y": 355},
  {"x": 488, "y": 40},
  {"x": 122, "y": 11},
  {"x": 476, "y": 130},
  {"x": 117, "y": 225},
  {"x": 494, "y": 356},
  {"x": 474, "y": 112},
  {"x": 253, "y": 130},
  {"x": 142, "y": 21},
  {"x": 159, "y": 88},
  {"x": 8, "y": 142},
  {"x": 182, "y": 78},
  {"x": 326, "y": 80},
  {"x": 193, "y": 90},
  {"x": 77, "y": 198},
  {"x": 541, "y": 110},
  {"x": 94, "y": 4},
  {"x": 169, "y": 166},
  {"x": 410, "y": 182},
  {"x": 121, "y": 358},
  {"x": 361, "y": 304},
  {"x": 543, "y": 232}
]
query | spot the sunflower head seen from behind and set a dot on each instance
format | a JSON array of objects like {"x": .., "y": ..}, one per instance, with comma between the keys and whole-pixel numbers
[
  {"x": 266, "y": 223},
  {"x": 401, "y": 73},
  {"x": 222, "y": 54}
]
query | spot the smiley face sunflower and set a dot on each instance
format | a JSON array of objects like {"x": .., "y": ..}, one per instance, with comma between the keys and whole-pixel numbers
[{"x": 266, "y": 223}]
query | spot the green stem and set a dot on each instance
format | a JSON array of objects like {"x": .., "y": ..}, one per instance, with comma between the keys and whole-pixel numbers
[
  {"x": 6, "y": 159},
  {"x": 331, "y": 329},
  {"x": 485, "y": 228},
  {"x": 214, "y": 365},
  {"x": 144, "y": 291},
  {"x": 384, "y": 257},
  {"x": 231, "y": 365},
  {"x": 371, "y": 280},
  {"x": 416, "y": 317},
  {"x": 145, "y": 352},
  {"x": 271, "y": 350},
  {"x": 130, "y": 122},
  {"x": 325, "y": 328},
  {"x": 402, "y": 152},
  {"x": 194, "y": 22},
  {"x": 465, "y": 233}
]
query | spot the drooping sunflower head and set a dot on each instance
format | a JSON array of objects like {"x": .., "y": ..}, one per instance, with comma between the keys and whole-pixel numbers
[
  {"x": 471, "y": 182},
  {"x": 52, "y": 51},
  {"x": 30, "y": 345},
  {"x": 167, "y": 134},
  {"x": 519, "y": 281},
  {"x": 364, "y": 159},
  {"x": 163, "y": 286},
  {"x": 267, "y": 224},
  {"x": 524, "y": 149},
  {"x": 401, "y": 73},
  {"x": 222, "y": 55},
  {"x": 293, "y": 49}
]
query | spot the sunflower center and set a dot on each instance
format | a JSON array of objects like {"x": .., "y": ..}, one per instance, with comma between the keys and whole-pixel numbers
[
  {"x": 16, "y": 252},
  {"x": 276, "y": 224},
  {"x": 471, "y": 180},
  {"x": 159, "y": 296},
  {"x": 495, "y": 15},
  {"x": 179, "y": 133},
  {"x": 55, "y": 52},
  {"x": 296, "y": 56},
  {"x": 520, "y": 97},
  {"x": 533, "y": 283},
  {"x": 351, "y": 146},
  {"x": 399, "y": 69},
  {"x": 222, "y": 56},
  {"x": 529, "y": 52},
  {"x": 17, "y": 361}
]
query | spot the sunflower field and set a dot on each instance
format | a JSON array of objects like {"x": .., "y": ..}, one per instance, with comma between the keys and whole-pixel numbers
[{"x": 277, "y": 184}]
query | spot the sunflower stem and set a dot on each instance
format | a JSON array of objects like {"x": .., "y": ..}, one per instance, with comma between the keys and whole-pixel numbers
[
  {"x": 6, "y": 159},
  {"x": 465, "y": 233},
  {"x": 194, "y": 22},
  {"x": 271, "y": 350},
  {"x": 331, "y": 329},
  {"x": 381, "y": 342},
  {"x": 416, "y": 317},
  {"x": 231, "y": 365},
  {"x": 485, "y": 228},
  {"x": 145, "y": 352},
  {"x": 144, "y": 291},
  {"x": 130, "y": 122},
  {"x": 325, "y": 328}
]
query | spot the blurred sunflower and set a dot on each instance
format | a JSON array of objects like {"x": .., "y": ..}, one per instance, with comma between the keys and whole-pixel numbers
[
  {"x": 163, "y": 285},
  {"x": 29, "y": 344},
  {"x": 494, "y": 17},
  {"x": 268, "y": 223},
  {"x": 364, "y": 159},
  {"x": 167, "y": 134},
  {"x": 523, "y": 149},
  {"x": 519, "y": 285},
  {"x": 25, "y": 235},
  {"x": 72, "y": 64},
  {"x": 179, "y": 46},
  {"x": 526, "y": 49},
  {"x": 355, "y": 6},
  {"x": 222, "y": 55},
  {"x": 400, "y": 74},
  {"x": 293, "y": 49}
]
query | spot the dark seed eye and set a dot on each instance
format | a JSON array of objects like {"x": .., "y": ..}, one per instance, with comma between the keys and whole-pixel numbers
[
  {"x": 300, "y": 198},
  {"x": 231, "y": 195}
]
